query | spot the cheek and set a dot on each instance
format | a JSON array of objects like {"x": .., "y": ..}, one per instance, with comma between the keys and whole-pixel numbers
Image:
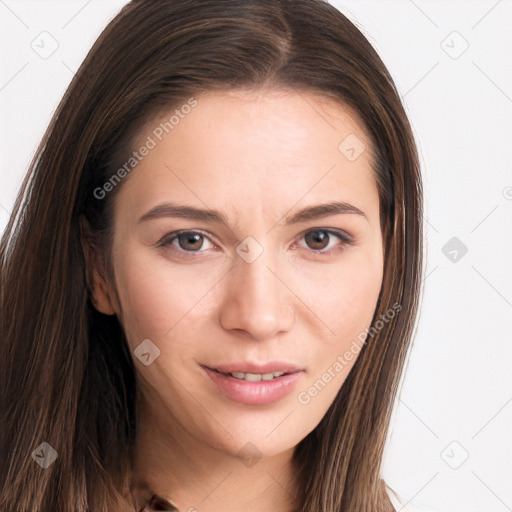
[
  {"x": 347, "y": 304},
  {"x": 344, "y": 296},
  {"x": 156, "y": 295}
]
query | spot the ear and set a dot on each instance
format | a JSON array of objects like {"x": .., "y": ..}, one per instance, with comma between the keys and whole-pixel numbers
[{"x": 97, "y": 284}]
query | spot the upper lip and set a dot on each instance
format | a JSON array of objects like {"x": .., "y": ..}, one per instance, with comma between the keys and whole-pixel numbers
[{"x": 251, "y": 367}]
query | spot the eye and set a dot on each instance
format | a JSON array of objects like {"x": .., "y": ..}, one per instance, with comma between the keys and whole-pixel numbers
[
  {"x": 319, "y": 239},
  {"x": 190, "y": 242},
  {"x": 186, "y": 241}
]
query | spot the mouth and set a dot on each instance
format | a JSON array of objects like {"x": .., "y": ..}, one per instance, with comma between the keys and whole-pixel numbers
[
  {"x": 242, "y": 383},
  {"x": 254, "y": 372},
  {"x": 253, "y": 377}
]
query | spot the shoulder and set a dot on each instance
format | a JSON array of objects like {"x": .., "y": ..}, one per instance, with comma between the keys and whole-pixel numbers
[{"x": 402, "y": 505}]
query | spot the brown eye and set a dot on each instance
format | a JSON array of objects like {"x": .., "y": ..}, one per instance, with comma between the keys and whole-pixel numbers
[
  {"x": 320, "y": 239},
  {"x": 317, "y": 239},
  {"x": 190, "y": 241},
  {"x": 186, "y": 242}
]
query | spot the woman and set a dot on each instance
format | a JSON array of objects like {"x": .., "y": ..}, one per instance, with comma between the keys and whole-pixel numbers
[{"x": 256, "y": 368}]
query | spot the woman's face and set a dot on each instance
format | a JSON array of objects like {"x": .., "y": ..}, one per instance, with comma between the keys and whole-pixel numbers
[{"x": 273, "y": 281}]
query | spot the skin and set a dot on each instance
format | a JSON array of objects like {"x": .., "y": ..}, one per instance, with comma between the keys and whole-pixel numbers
[{"x": 257, "y": 157}]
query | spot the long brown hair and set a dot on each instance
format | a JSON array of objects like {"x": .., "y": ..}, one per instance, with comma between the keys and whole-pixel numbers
[{"x": 67, "y": 377}]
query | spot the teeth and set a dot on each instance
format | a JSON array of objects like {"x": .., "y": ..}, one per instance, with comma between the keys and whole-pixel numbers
[{"x": 255, "y": 377}]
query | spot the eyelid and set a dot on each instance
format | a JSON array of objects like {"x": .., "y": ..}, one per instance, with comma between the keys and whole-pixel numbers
[
  {"x": 344, "y": 238},
  {"x": 170, "y": 237}
]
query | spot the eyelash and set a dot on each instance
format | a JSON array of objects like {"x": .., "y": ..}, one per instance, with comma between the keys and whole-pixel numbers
[{"x": 167, "y": 241}]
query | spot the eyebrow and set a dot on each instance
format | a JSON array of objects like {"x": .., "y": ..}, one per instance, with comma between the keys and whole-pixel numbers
[{"x": 207, "y": 215}]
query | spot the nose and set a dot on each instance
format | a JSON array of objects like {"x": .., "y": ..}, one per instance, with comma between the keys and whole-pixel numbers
[{"x": 257, "y": 300}]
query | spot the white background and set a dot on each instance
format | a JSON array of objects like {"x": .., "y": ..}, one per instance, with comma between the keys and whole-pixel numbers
[{"x": 456, "y": 400}]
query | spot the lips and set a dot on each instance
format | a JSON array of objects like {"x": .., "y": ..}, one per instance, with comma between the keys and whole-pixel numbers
[{"x": 257, "y": 387}]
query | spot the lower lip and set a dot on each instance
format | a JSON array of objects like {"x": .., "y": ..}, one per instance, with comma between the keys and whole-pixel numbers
[{"x": 254, "y": 393}]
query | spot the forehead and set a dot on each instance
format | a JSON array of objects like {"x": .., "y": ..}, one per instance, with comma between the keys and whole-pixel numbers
[{"x": 236, "y": 148}]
